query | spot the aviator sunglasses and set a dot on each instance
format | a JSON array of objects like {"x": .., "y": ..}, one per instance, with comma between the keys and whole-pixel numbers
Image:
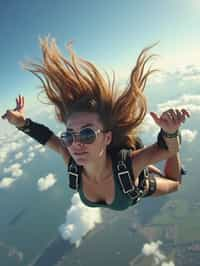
[{"x": 85, "y": 136}]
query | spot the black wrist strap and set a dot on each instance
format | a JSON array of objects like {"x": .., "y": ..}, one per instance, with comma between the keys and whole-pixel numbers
[
  {"x": 161, "y": 141},
  {"x": 169, "y": 135},
  {"x": 152, "y": 186},
  {"x": 37, "y": 131}
]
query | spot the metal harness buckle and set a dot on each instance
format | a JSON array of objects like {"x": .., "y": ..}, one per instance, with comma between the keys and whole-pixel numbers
[
  {"x": 73, "y": 176},
  {"x": 125, "y": 178}
]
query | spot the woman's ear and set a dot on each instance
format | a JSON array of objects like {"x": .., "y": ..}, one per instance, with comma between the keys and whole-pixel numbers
[{"x": 108, "y": 137}]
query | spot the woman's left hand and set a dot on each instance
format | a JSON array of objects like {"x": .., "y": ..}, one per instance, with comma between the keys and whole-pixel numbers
[{"x": 171, "y": 119}]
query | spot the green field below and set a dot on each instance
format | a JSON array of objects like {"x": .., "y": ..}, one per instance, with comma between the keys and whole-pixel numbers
[{"x": 183, "y": 216}]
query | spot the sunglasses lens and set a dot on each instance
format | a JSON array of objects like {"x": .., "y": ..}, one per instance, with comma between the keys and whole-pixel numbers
[
  {"x": 67, "y": 137},
  {"x": 87, "y": 136}
]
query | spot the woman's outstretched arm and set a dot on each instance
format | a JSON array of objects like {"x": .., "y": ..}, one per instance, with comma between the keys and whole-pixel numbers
[
  {"x": 39, "y": 132},
  {"x": 55, "y": 144},
  {"x": 173, "y": 168},
  {"x": 169, "y": 122}
]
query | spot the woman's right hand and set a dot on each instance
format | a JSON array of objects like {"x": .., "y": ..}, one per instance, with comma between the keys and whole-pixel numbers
[{"x": 16, "y": 116}]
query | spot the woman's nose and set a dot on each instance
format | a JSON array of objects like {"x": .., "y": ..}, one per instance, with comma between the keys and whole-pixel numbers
[
  {"x": 76, "y": 138},
  {"x": 77, "y": 142}
]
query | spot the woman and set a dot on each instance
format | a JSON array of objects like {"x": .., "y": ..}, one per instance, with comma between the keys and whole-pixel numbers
[{"x": 99, "y": 123}]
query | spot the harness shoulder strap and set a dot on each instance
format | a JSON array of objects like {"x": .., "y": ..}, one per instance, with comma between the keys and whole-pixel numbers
[
  {"x": 74, "y": 172},
  {"x": 124, "y": 173}
]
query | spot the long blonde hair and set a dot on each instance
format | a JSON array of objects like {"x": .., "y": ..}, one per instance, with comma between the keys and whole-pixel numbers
[{"x": 76, "y": 85}]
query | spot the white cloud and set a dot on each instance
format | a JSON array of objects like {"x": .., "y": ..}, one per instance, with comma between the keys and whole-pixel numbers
[
  {"x": 37, "y": 147},
  {"x": 40, "y": 148},
  {"x": 29, "y": 140},
  {"x": 7, "y": 147},
  {"x": 149, "y": 125},
  {"x": 30, "y": 148},
  {"x": 171, "y": 263},
  {"x": 19, "y": 155},
  {"x": 47, "y": 110},
  {"x": 31, "y": 155},
  {"x": 185, "y": 73},
  {"x": 14, "y": 146},
  {"x": 80, "y": 219},
  {"x": 44, "y": 183},
  {"x": 6, "y": 182},
  {"x": 14, "y": 169},
  {"x": 158, "y": 78},
  {"x": 3, "y": 155},
  {"x": 190, "y": 73},
  {"x": 189, "y": 102},
  {"x": 188, "y": 135},
  {"x": 153, "y": 249}
]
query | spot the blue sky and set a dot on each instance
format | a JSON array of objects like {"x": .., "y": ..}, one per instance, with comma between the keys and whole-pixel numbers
[{"x": 110, "y": 33}]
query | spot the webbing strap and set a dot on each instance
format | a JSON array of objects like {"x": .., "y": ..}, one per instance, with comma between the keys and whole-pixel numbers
[
  {"x": 152, "y": 186},
  {"x": 74, "y": 174},
  {"x": 125, "y": 176}
]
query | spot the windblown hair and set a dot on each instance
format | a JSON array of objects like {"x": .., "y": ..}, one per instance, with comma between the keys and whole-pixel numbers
[{"x": 76, "y": 85}]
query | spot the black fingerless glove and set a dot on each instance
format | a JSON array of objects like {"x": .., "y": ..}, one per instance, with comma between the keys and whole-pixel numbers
[{"x": 37, "y": 131}]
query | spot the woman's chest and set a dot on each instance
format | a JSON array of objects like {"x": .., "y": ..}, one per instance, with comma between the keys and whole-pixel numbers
[{"x": 103, "y": 191}]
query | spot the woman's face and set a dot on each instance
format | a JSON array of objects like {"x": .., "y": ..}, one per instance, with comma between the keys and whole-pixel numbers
[{"x": 87, "y": 153}]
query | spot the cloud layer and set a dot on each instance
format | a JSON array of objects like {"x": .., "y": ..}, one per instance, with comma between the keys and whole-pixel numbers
[{"x": 190, "y": 102}]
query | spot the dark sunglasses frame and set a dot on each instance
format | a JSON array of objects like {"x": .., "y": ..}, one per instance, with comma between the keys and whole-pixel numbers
[{"x": 86, "y": 136}]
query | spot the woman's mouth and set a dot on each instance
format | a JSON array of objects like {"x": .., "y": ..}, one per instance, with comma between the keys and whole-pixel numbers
[{"x": 80, "y": 153}]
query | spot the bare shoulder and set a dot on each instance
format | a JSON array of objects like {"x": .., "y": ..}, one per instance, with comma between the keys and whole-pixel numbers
[{"x": 56, "y": 145}]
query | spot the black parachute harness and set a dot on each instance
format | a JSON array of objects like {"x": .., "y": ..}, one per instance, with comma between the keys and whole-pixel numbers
[{"x": 123, "y": 171}]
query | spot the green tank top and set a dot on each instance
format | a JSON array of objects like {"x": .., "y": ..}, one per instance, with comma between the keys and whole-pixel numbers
[{"x": 121, "y": 201}]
